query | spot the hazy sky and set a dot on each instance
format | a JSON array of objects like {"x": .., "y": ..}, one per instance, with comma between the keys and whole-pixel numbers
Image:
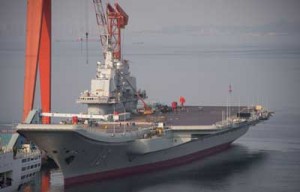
[
  {"x": 192, "y": 39},
  {"x": 70, "y": 16}
]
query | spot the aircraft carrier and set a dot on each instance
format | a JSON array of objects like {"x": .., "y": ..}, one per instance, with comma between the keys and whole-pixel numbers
[
  {"x": 92, "y": 150},
  {"x": 115, "y": 137}
]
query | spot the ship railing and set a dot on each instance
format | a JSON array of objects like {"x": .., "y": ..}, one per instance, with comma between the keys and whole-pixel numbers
[
  {"x": 134, "y": 131},
  {"x": 97, "y": 99},
  {"x": 71, "y": 115},
  {"x": 21, "y": 153},
  {"x": 5, "y": 149},
  {"x": 230, "y": 123},
  {"x": 223, "y": 124}
]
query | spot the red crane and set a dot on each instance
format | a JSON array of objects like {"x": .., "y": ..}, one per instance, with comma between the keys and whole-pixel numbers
[{"x": 110, "y": 24}]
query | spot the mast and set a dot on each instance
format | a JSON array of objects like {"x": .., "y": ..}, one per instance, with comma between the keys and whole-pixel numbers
[{"x": 229, "y": 107}]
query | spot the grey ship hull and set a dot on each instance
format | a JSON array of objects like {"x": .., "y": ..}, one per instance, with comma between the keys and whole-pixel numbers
[{"x": 83, "y": 158}]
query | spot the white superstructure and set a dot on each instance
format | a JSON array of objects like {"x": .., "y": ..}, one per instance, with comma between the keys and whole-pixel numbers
[
  {"x": 113, "y": 89},
  {"x": 17, "y": 165}
]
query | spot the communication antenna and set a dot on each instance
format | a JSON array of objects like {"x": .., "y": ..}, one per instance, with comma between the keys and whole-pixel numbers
[
  {"x": 87, "y": 47},
  {"x": 81, "y": 39},
  {"x": 87, "y": 33}
]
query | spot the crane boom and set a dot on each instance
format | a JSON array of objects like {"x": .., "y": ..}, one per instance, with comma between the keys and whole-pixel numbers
[
  {"x": 102, "y": 24},
  {"x": 110, "y": 24}
]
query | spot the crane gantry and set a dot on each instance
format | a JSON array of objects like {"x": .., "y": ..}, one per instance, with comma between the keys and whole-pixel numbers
[{"x": 110, "y": 23}]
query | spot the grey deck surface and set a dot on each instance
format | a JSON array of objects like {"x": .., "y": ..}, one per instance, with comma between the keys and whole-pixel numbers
[{"x": 193, "y": 115}]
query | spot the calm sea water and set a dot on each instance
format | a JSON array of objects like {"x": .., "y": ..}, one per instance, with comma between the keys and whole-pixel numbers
[{"x": 267, "y": 158}]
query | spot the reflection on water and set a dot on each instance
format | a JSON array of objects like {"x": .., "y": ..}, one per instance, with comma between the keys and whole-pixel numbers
[{"x": 214, "y": 172}]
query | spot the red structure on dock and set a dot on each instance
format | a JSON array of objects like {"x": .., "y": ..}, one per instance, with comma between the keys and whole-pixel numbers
[{"x": 38, "y": 54}]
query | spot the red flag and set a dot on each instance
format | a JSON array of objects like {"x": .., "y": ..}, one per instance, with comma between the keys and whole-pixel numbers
[{"x": 182, "y": 100}]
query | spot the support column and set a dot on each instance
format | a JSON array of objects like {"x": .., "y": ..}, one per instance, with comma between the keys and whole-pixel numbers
[
  {"x": 33, "y": 31},
  {"x": 45, "y": 60},
  {"x": 38, "y": 49}
]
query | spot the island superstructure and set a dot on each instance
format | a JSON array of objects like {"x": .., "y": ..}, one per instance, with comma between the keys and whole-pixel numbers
[{"x": 113, "y": 89}]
